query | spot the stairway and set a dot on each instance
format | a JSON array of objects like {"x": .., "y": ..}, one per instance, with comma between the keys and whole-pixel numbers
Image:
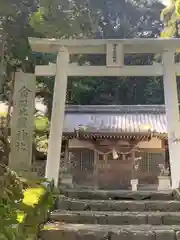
[{"x": 114, "y": 215}]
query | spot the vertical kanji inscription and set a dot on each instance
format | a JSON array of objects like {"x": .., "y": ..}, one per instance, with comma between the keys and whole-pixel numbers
[{"x": 22, "y": 122}]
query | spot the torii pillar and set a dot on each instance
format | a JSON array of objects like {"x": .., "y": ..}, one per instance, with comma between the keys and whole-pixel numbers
[
  {"x": 57, "y": 117},
  {"x": 172, "y": 113}
]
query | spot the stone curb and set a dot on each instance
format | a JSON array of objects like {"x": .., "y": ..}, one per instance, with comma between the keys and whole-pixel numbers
[
  {"x": 110, "y": 205},
  {"x": 116, "y": 218},
  {"x": 97, "y": 232}
]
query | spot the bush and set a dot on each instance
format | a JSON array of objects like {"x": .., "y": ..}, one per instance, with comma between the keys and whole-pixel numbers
[
  {"x": 36, "y": 204},
  {"x": 11, "y": 195},
  {"x": 24, "y": 205}
]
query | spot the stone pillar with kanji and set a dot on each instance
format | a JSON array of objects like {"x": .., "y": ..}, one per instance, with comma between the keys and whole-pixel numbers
[{"x": 22, "y": 122}]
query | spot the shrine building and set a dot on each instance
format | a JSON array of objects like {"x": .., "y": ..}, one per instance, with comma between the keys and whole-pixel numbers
[{"x": 107, "y": 146}]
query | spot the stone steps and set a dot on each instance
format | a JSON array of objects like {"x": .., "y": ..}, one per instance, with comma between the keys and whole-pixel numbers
[
  {"x": 113, "y": 215},
  {"x": 116, "y": 218},
  {"x": 116, "y": 205},
  {"x": 116, "y": 195},
  {"x": 60, "y": 231}
]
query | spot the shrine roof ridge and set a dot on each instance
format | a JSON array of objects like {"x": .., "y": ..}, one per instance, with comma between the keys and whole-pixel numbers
[
  {"x": 114, "y": 119},
  {"x": 156, "y": 109}
]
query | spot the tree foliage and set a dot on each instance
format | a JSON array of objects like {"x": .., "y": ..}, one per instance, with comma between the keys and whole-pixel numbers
[
  {"x": 15, "y": 28},
  {"x": 85, "y": 19},
  {"x": 11, "y": 195},
  {"x": 170, "y": 17},
  {"x": 102, "y": 19},
  {"x": 14, "y": 32}
]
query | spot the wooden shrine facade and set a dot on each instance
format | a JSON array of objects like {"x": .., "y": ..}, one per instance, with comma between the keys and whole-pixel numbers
[{"x": 107, "y": 146}]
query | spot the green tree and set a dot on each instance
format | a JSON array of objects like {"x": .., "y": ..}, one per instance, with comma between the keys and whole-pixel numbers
[
  {"x": 14, "y": 49},
  {"x": 14, "y": 32},
  {"x": 102, "y": 19},
  {"x": 170, "y": 15}
]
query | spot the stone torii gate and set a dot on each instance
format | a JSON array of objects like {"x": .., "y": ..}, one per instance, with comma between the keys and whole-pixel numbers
[{"x": 114, "y": 51}]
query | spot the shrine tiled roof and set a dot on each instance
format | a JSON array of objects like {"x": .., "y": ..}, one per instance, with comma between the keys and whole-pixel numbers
[{"x": 116, "y": 119}]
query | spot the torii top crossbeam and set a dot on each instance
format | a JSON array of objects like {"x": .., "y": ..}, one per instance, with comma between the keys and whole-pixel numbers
[
  {"x": 114, "y": 50},
  {"x": 88, "y": 46}
]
